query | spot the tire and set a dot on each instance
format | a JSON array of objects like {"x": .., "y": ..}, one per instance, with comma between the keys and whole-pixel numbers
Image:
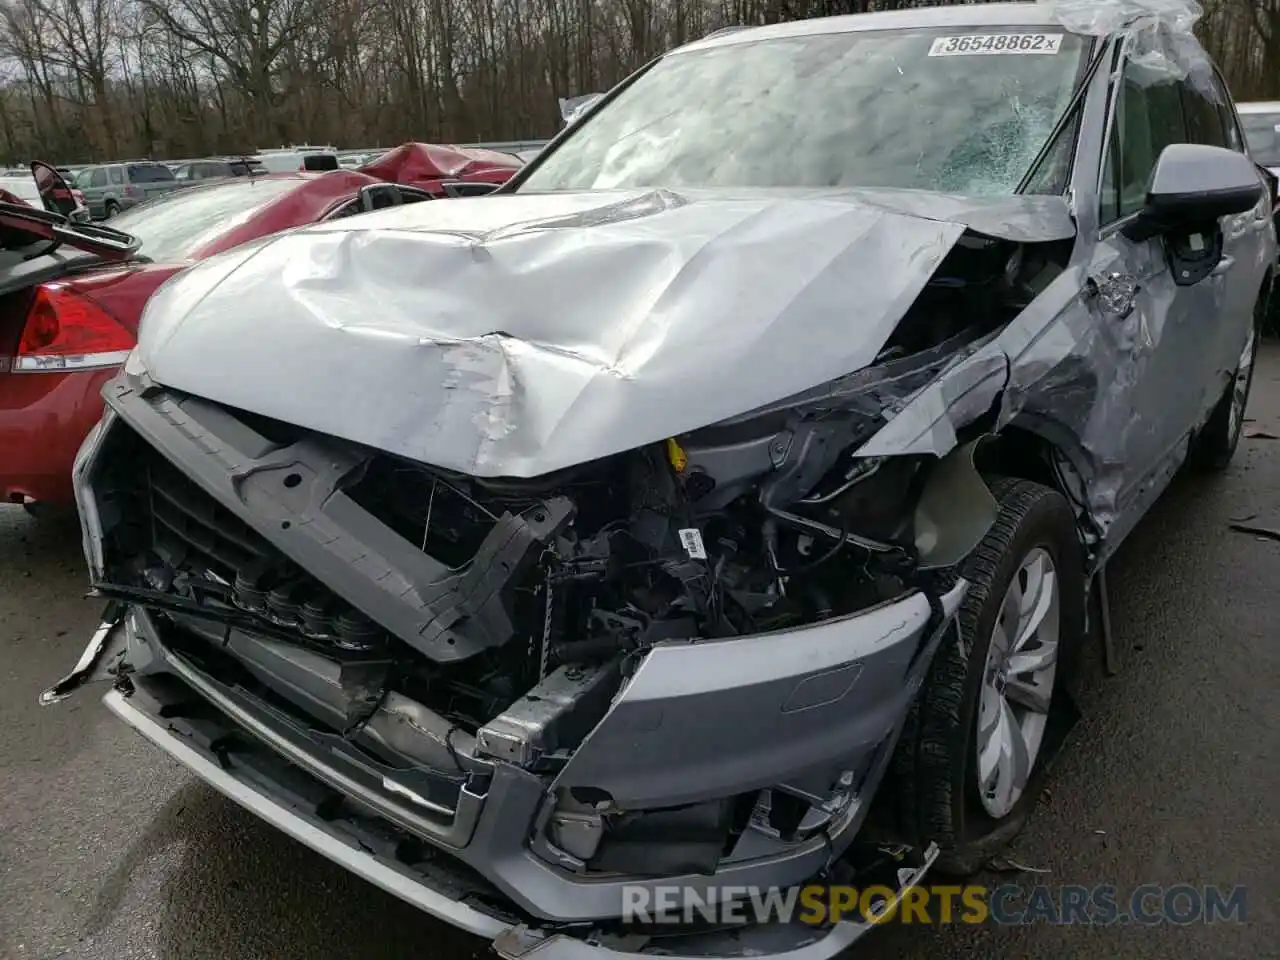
[
  {"x": 1215, "y": 443},
  {"x": 935, "y": 772},
  {"x": 111, "y": 209}
]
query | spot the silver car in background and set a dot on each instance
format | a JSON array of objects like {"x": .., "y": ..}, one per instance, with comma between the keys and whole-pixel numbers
[{"x": 1261, "y": 123}]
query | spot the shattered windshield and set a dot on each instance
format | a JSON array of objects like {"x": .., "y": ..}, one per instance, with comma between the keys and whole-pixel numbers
[
  {"x": 1262, "y": 132},
  {"x": 952, "y": 110}
]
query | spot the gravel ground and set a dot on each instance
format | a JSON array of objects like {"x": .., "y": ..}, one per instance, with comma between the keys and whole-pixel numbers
[{"x": 108, "y": 850}]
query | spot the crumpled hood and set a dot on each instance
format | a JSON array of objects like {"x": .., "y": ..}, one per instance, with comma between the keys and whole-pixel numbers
[{"x": 515, "y": 335}]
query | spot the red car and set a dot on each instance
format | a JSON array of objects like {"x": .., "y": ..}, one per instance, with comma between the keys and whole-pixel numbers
[{"x": 69, "y": 318}]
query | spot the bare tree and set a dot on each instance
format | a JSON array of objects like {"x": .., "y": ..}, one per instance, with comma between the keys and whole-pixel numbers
[{"x": 93, "y": 79}]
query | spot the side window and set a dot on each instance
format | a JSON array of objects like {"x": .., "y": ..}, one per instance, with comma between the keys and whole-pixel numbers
[
  {"x": 117, "y": 175},
  {"x": 1235, "y": 139},
  {"x": 98, "y": 178},
  {"x": 1204, "y": 118},
  {"x": 1227, "y": 114},
  {"x": 1148, "y": 117},
  {"x": 414, "y": 195}
]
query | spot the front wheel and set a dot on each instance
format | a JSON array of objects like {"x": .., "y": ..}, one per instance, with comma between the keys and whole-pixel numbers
[
  {"x": 112, "y": 208},
  {"x": 1215, "y": 443},
  {"x": 967, "y": 768}
]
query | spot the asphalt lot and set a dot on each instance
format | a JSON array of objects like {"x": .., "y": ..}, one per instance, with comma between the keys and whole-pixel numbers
[{"x": 108, "y": 850}]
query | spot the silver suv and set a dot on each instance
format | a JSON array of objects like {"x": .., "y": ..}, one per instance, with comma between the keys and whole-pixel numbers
[
  {"x": 113, "y": 187},
  {"x": 716, "y": 510}
]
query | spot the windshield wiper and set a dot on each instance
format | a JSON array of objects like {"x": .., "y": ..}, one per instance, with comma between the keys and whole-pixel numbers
[
  {"x": 54, "y": 227},
  {"x": 1067, "y": 118}
]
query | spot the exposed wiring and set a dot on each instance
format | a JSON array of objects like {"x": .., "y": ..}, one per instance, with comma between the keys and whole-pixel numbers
[{"x": 826, "y": 530}]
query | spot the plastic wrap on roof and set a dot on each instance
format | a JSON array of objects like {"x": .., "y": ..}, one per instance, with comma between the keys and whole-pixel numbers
[
  {"x": 572, "y": 108},
  {"x": 1161, "y": 42}
]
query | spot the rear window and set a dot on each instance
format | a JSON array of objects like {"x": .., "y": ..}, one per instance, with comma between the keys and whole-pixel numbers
[
  {"x": 149, "y": 173},
  {"x": 178, "y": 224},
  {"x": 320, "y": 161}
]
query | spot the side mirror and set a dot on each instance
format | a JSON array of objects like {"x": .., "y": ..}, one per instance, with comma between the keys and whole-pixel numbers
[
  {"x": 463, "y": 188},
  {"x": 55, "y": 195},
  {"x": 1191, "y": 187},
  {"x": 379, "y": 196}
]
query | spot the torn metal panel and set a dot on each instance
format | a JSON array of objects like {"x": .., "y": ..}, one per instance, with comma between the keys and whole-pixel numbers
[
  {"x": 1023, "y": 218},
  {"x": 927, "y": 423},
  {"x": 1065, "y": 369}
]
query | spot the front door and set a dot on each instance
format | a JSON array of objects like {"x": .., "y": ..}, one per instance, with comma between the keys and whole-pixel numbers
[{"x": 1158, "y": 387}]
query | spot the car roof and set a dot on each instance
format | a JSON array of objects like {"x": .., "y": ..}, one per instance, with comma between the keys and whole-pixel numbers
[
  {"x": 1259, "y": 106},
  {"x": 122, "y": 163},
  {"x": 958, "y": 15}
]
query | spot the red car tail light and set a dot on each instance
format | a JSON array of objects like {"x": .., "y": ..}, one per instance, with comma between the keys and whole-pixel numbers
[{"x": 66, "y": 331}]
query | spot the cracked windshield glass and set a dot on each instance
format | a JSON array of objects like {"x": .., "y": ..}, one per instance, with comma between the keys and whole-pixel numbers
[{"x": 949, "y": 111}]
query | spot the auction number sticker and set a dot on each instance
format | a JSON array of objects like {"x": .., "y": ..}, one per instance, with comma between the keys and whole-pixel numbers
[{"x": 975, "y": 44}]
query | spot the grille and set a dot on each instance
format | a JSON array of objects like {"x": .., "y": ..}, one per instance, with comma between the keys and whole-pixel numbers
[
  {"x": 168, "y": 519},
  {"x": 189, "y": 527}
]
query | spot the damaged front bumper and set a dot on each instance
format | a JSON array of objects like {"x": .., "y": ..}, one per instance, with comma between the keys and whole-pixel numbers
[
  {"x": 218, "y": 736},
  {"x": 810, "y": 715}
]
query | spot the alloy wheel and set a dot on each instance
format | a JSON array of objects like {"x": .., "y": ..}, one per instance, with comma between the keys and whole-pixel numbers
[{"x": 1017, "y": 684}]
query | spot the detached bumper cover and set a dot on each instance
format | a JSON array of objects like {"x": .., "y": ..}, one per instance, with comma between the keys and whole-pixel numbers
[
  {"x": 240, "y": 779},
  {"x": 309, "y": 831}
]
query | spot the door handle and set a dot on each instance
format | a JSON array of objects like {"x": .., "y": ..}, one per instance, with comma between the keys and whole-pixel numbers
[{"x": 1224, "y": 265}]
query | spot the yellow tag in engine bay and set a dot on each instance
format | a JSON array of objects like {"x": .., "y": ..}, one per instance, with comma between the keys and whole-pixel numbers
[{"x": 675, "y": 453}]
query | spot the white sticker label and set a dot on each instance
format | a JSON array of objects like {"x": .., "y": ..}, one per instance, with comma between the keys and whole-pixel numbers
[
  {"x": 979, "y": 44},
  {"x": 692, "y": 541}
]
